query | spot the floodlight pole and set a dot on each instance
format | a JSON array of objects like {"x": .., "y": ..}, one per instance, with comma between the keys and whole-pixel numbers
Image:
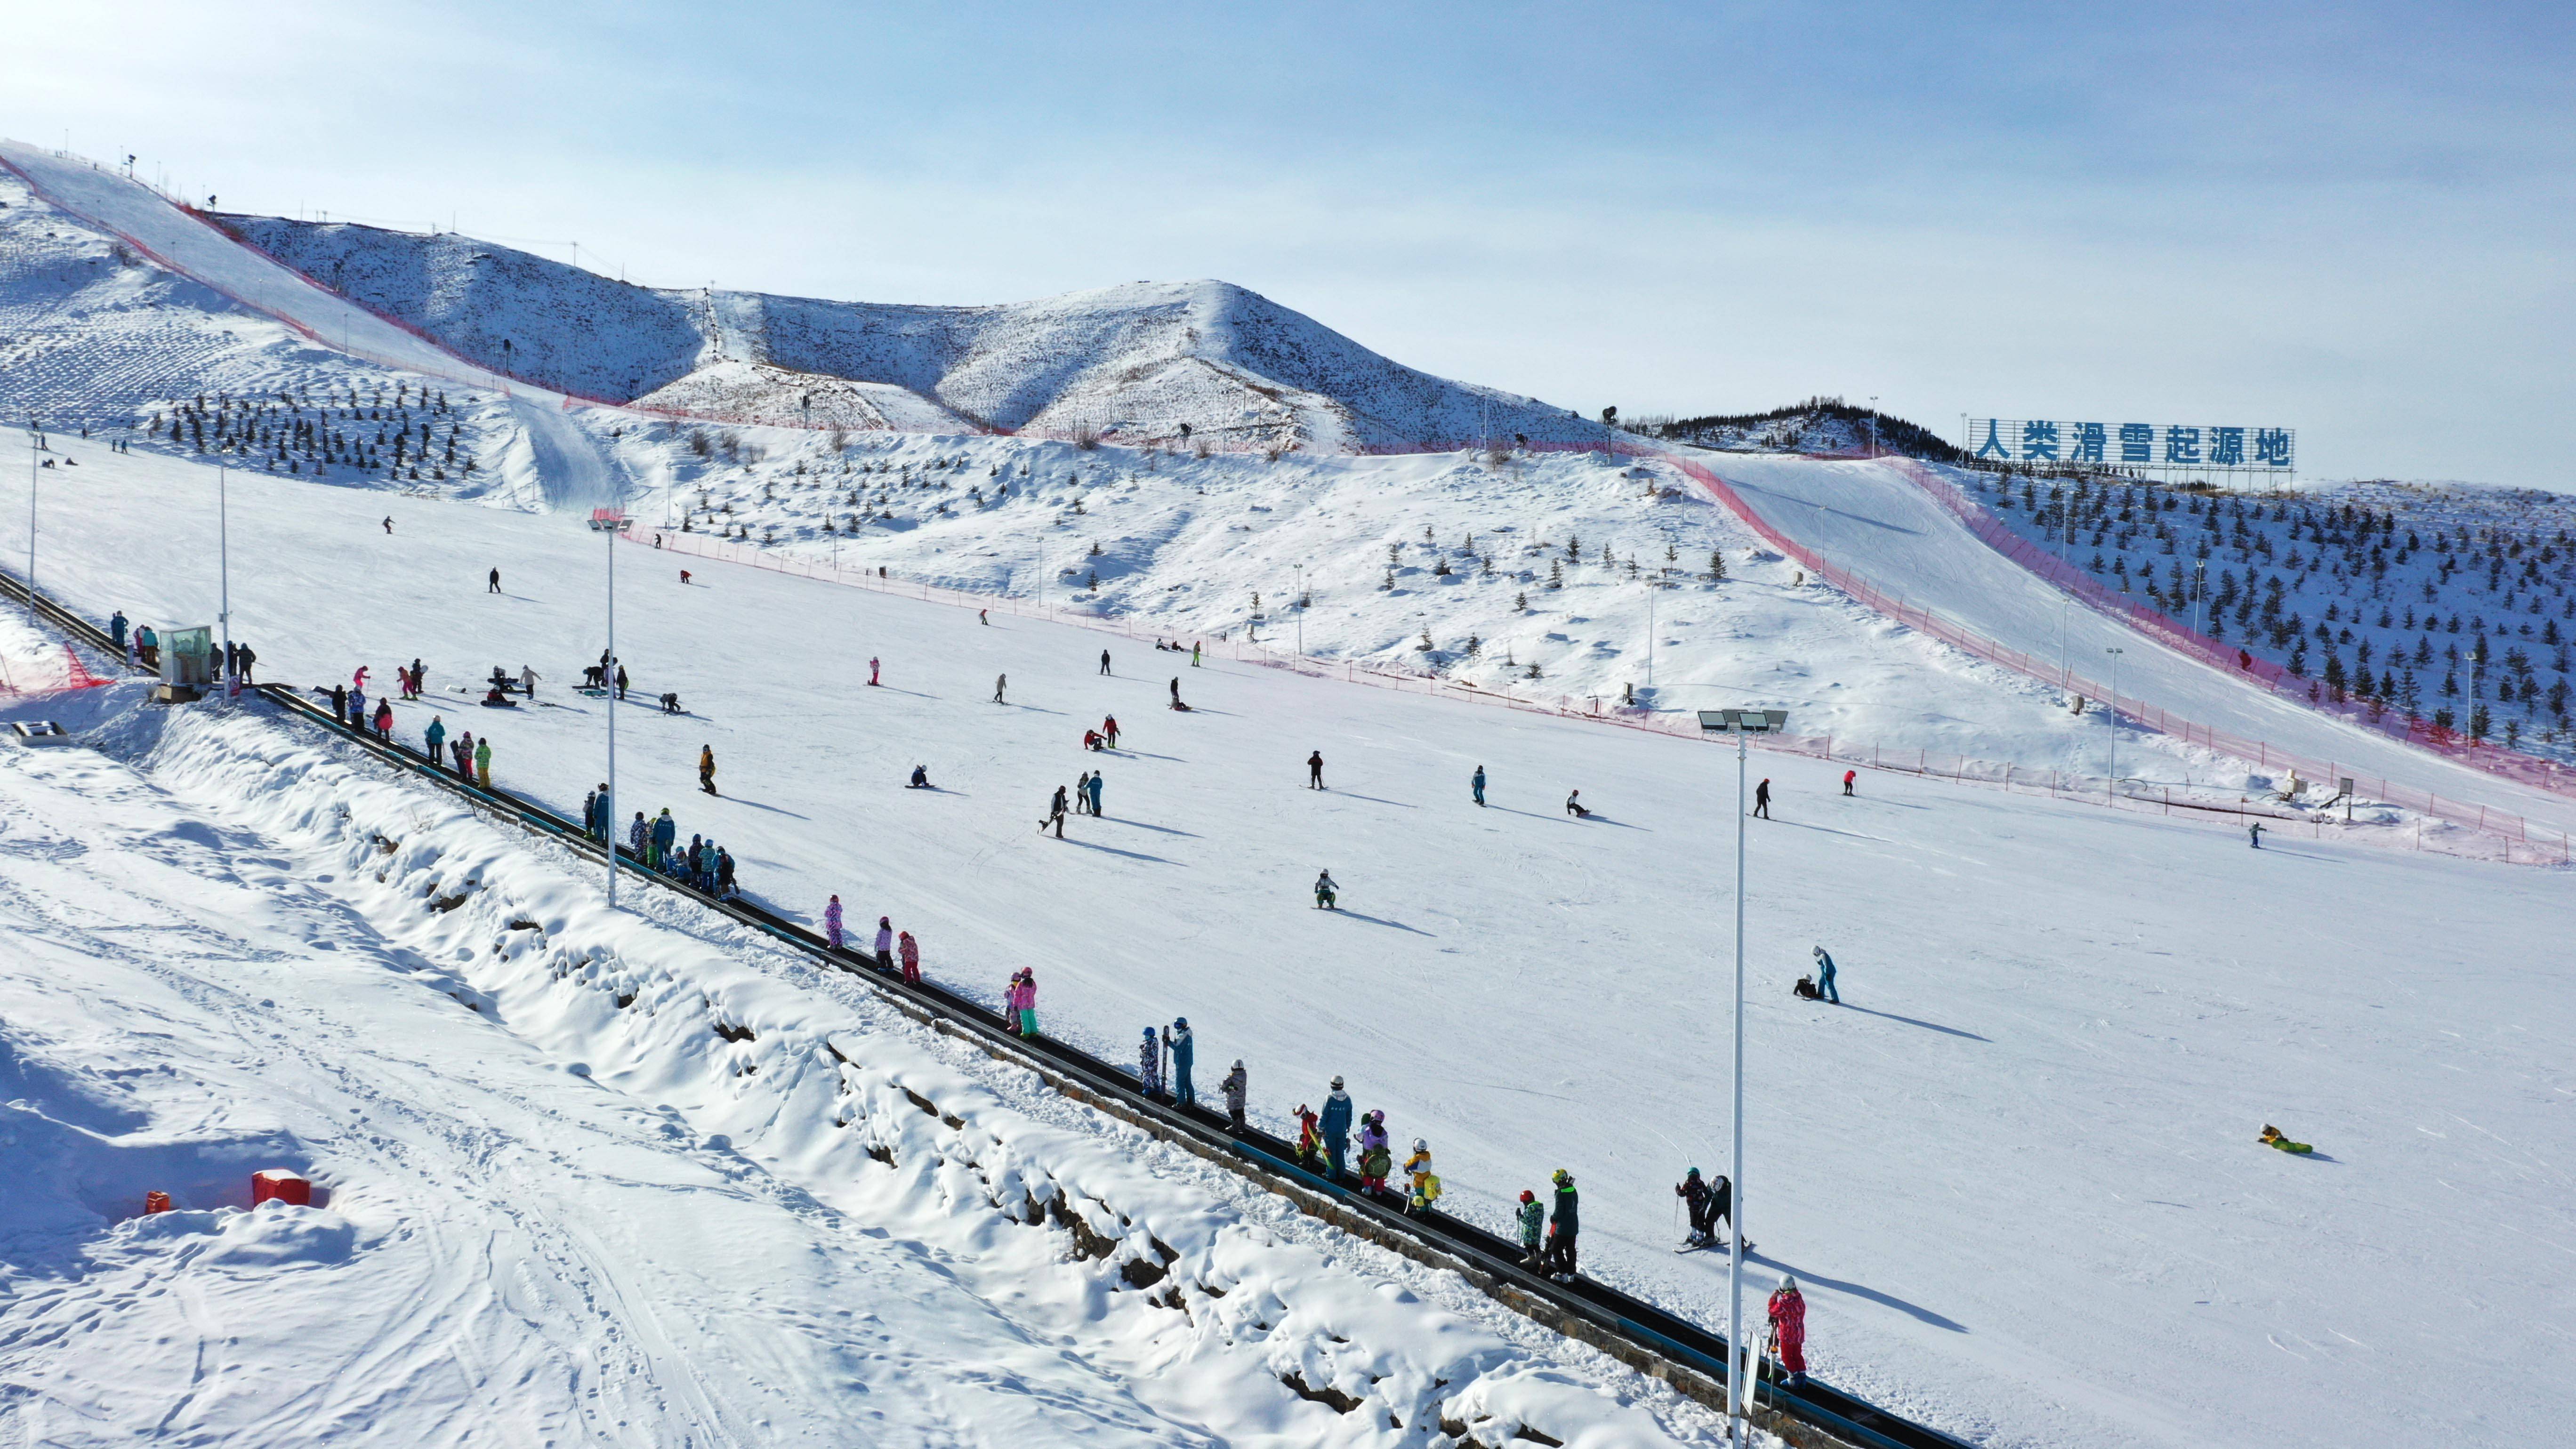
[
  {"x": 35, "y": 444},
  {"x": 224, "y": 576},
  {"x": 2111, "y": 785},
  {"x": 610, "y": 524},
  {"x": 1739, "y": 1398}
]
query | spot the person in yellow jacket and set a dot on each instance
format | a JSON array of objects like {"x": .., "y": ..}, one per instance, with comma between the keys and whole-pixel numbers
[
  {"x": 707, "y": 768},
  {"x": 1425, "y": 1188},
  {"x": 483, "y": 761}
]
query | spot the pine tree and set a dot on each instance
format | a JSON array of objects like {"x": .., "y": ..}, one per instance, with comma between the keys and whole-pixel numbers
[
  {"x": 1555, "y": 574},
  {"x": 1716, "y": 566}
]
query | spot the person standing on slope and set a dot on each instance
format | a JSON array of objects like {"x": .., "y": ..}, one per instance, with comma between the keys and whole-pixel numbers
[
  {"x": 496, "y": 583},
  {"x": 1097, "y": 780},
  {"x": 1327, "y": 894},
  {"x": 1825, "y": 978},
  {"x": 2254, "y": 835},
  {"x": 1104, "y": 661},
  {"x": 1236, "y": 1086},
  {"x": 527, "y": 682},
  {"x": 1054, "y": 815},
  {"x": 482, "y": 754},
  {"x": 707, "y": 768},
  {"x": 908, "y": 952},
  {"x": 1082, "y": 792},
  {"x": 885, "y": 944},
  {"x": 1000, "y": 683},
  {"x": 436, "y": 735},
  {"x": 1185, "y": 1051},
  {"x": 1149, "y": 1064},
  {"x": 1109, "y": 730},
  {"x": 1694, "y": 1193},
  {"x": 1476, "y": 783},
  {"x": 621, "y": 681},
  {"x": 872, "y": 669},
  {"x": 1561, "y": 1229},
  {"x": 1028, "y": 1002},
  {"x": 1848, "y": 777},
  {"x": 1337, "y": 1131},
  {"x": 1787, "y": 1311},
  {"x": 1533, "y": 1218},
  {"x": 1762, "y": 800},
  {"x": 1315, "y": 771},
  {"x": 832, "y": 924}
]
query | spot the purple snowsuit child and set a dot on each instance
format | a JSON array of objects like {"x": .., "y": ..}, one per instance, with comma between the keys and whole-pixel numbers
[{"x": 832, "y": 924}]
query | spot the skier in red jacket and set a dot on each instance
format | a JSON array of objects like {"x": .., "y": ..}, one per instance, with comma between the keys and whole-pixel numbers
[{"x": 1788, "y": 1310}]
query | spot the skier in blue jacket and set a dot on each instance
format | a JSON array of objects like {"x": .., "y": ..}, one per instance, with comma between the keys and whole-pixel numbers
[
  {"x": 1185, "y": 1050},
  {"x": 1336, "y": 1123},
  {"x": 1825, "y": 977}
]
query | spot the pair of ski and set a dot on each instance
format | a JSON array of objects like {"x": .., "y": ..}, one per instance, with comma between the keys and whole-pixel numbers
[{"x": 1710, "y": 1246}]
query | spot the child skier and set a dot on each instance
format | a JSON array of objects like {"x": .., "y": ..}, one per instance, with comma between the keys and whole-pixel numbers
[
  {"x": 1235, "y": 1086},
  {"x": 885, "y": 944},
  {"x": 1423, "y": 1186},
  {"x": 1695, "y": 1192},
  {"x": 908, "y": 951},
  {"x": 832, "y": 924},
  {"x": 1533, "y": 1217},
  {"x": 1149, "y": 1064},
  {"x": 1310, "y": 1138},
  {"x": 1326, "y": 892},
  {"x": 1788, "y": 1313},
  {"x": 1375, "y": 1158}
]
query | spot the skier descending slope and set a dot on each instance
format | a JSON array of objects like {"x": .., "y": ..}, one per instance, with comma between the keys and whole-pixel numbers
[
  {"x": 1327, "y": 893},
  {"x": 1694, "y": 1192},
  {"x": 1477, "y": 784}
]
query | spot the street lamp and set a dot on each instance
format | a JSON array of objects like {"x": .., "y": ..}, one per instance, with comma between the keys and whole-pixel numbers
[
  {"x": 1740, "y": 1360},
  {"x": 2111, "y": 785},
  {"x": 609, "y": 523},
  {"x": 2200, "y": 596},
  {"x": 35, "y": 445},
  {"x": 224, "y": 577}
]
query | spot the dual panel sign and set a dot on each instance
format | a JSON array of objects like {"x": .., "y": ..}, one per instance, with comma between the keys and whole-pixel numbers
[{"x": 2198, "y": 447}]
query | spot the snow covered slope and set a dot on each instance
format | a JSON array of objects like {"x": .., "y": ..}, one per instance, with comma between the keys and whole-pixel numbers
[
  {"x": 604, "y": 1179},
  {"x": 1868, "y": 517},
  {"x": 2016, "y": 1172},
  {"x": 1135, "y": 361}
]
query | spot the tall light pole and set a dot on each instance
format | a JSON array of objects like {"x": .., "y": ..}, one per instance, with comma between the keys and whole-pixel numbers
[
  {"x": 224, "y": 576},
  {"x": 609, "y": 523},
  {"x": 2200, "y": 597},
  {"x": 1741, "y": 1361},
  {"x": 35, "y": 445},
  {"x": 2112, "y": 784}
]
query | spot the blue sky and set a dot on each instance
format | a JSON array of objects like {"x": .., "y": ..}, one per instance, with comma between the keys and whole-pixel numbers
[{"x": 2351, "y": 220}]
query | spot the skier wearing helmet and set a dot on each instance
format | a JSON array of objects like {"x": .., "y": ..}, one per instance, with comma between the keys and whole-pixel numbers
[
  {"x": 1694, "y": 1192},
  {"x": 1788, "y": 1314},
  {"x": 1532, "y": 1217},
  {"x": 1559, "y": 1261}
]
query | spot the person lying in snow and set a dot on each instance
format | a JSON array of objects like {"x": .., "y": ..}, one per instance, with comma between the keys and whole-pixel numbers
[{"x": 2272, "y": 1138}]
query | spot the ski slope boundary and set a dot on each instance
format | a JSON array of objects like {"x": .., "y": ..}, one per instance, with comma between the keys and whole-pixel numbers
[
  {"x": 1662, "y": 1345},
  {"x": 2514, "y": 765}
]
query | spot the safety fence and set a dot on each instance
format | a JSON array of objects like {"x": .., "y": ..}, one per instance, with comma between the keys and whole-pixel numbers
[
  {"x": 2510, "y": 839},
  {"x": 2510, "y": 764},
  {"x": 46, "y": 675}
]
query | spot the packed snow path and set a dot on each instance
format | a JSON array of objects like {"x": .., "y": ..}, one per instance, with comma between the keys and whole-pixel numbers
[
  {"x": 1870, "y": 519},
  {"x": 2017, "y": 1173}
]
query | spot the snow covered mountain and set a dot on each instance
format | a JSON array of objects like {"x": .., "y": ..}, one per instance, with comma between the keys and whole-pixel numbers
[{"x": 1134, "y": 362}]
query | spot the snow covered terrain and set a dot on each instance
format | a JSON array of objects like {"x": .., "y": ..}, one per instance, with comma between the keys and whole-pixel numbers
[
  {"x": 1135, "y": 361},
  {"x": 604, "y": 1179},
  {"x": 2361, "y": 587},
  {"x": 2016, "y": 1173}
]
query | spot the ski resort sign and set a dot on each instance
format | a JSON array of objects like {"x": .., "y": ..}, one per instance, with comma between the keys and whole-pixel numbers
[{"x": 2152, "y": 447}]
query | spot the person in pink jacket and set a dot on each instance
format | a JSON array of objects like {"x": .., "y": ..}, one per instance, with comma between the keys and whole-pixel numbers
[
  {"x": 832, "y": 924},
  {"x": 1788, "y": 1310},
  {"x": 910, "y": 953}
]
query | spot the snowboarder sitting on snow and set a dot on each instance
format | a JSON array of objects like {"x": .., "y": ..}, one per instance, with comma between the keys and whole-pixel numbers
[
  {"x": 1532, "y": 1218},
  {"x": 1091, "y": 739},
  {"x": 920, "y": 778},
  {"x": 1575, "y": 807},
  {"x": 2272, "y": 1138},
  {"x": 1326, "y": 892}
]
